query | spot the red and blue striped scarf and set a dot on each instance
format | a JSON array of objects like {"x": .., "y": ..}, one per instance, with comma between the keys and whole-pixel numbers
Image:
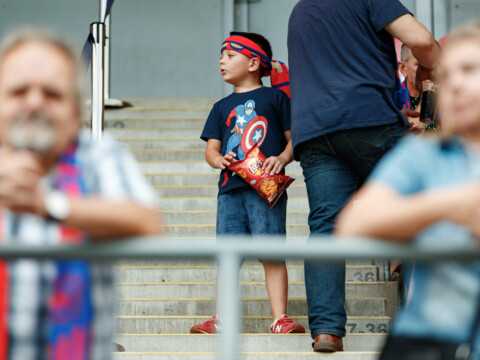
[{"x": 69, "y": 309}]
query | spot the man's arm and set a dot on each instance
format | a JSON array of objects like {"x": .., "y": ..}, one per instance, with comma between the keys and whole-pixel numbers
[
  {"x": 108, "y": 219},
  {"x": 21, "y": 191},
  {"x": 378, "y": 210},
  {"x": 417, "y": 37}
]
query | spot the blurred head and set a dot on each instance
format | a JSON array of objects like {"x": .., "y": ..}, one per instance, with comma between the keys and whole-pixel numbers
[
  {"x": 408, "y": 66},
  {"x": 459, "y": 76},
  {"x": 39, "y": 78}
]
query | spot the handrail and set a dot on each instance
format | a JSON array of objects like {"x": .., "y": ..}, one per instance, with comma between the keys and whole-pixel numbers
[
  {"x": 105, "y": 17},
  {"x": 322, "y": 249},
  {"x": 228, "y": 25},
  {"x": 229, "y": 253},
  {"x": 97, "y": 31}
]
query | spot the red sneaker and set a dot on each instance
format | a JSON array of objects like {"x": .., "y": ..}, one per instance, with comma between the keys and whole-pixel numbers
[
  {"x": 285, "y": 325},
  {"x": 211, "y": 326}
]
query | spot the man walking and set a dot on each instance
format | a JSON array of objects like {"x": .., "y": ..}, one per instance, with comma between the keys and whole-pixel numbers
[{"x": 344, "y": 119}]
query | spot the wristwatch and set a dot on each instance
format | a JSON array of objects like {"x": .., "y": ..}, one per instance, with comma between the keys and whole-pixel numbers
[{"x": 57, "y": 205}]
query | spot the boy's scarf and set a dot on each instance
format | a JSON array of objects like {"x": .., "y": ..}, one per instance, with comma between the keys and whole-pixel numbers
[
  {"x": 277, "y": 70},
  {"x": 69, "y": 308}
]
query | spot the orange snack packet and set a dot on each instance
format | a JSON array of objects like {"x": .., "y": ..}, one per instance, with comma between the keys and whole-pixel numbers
[{"x": 269, "y": 187}]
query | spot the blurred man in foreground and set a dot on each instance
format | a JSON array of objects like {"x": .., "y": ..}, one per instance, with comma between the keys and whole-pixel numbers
[{"x": 58, "y": 187}]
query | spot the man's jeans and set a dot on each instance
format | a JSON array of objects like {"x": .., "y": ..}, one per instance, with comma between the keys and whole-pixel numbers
[{"x": 335, "y": 166}]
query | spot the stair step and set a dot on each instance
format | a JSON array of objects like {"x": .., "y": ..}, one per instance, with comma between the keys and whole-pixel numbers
[
  {"x": 173, "y": 262},
  {"x": 153, "y": 132},
  {"x": 197, "y": 179},
  {"x": 293, "y": 230},
  {"x": 208, "y": 273},
  {"x": 248, "y": 342},
  {"x": 167, "y": 112},
  {"x": 169, "y": 155},
  {"x": 133, "y": 324},
  {"x": 156, "y": 102},
  {"x": 255, "y": 290},
  {"x": 210, "y": 203},
  {"x": 165, "y": 143},
  {"x": 209, "y": 217},
  {"x": 305, "y": 355},
  {"x": 199, "y": 166},
  {"x": 155, "y": 122},
  {"x": 374, "y": 306},
  {"x": 211, "y": 190}
]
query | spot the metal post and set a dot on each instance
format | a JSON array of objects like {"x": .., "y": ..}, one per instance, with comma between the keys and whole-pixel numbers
[
  {"x": 106, "y": 92},
  {"x": 98, "y": 105},
  {"x": 228, "y": 25},
  {"x": 242, "y": 15},
  {"x": 424, "y": 13},
  {"x": 103, "y": 9},
  {"x": 229, "y": 262},
  {"x": 106, "y": 89}
]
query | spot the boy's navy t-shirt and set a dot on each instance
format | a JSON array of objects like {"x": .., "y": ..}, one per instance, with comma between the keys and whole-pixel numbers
[
  {"x": 242, "y": 119},
  {"x": 342, "y": 66}
]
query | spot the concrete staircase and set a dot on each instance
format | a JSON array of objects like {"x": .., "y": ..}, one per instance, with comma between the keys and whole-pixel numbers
[{"x": 160, "y": 300}]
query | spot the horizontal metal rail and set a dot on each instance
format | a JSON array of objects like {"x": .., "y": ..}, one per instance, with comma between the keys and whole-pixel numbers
[
  {"x": 316, "y": 248},
  {"x": 230, "y": 253}
]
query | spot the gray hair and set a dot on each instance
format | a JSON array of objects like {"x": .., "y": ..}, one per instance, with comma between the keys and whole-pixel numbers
[
  {"x": 405, "y": 53},
  {"x": 37, "y": 35}
]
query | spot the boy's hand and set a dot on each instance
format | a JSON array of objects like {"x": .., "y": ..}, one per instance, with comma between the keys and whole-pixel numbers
[
  {"x": 274, "y": 165},
  {"x": 222, "y": 162}
]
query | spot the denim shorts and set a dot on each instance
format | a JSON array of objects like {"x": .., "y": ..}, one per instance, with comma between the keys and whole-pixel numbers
[{"x": 244, "y": 211}]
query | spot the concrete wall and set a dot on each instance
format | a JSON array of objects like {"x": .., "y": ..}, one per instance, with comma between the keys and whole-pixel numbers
[{"x": 170, "y": 48}]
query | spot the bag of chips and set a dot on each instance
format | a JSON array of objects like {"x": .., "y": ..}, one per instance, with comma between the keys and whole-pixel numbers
[{"x": 269, "y": 187}]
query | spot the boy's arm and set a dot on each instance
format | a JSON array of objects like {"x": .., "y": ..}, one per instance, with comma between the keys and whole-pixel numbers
[
  {"x": 213, "y": 155},
  {"x": 275, "y": 164}
]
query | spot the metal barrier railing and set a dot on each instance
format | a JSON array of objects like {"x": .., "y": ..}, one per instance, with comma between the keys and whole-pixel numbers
[
  {"x": 230, "y": 254},
  {"x": 97, "y": 51},
  {"x": 97, "y": 30}
]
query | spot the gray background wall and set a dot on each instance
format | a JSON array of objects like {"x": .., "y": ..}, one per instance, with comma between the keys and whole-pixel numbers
[{"x": 170, "y": 48}]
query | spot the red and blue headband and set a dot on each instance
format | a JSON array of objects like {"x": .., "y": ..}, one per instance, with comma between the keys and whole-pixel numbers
[
  {"x": 277, "y": 70},
  {"x": 248, "y": 48}
]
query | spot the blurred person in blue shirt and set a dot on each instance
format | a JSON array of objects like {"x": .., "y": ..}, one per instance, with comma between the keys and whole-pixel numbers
[{"x": 427, "y": 190}]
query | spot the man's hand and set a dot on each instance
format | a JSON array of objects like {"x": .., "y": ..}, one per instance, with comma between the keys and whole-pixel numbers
[
  {"x": 274, "y": 165},
  {"x": 416, "y": 126},
  {"x": 222, "y": 162},
  {"x": 422, "y": 75},
  {"x": 20, "y": 174}
]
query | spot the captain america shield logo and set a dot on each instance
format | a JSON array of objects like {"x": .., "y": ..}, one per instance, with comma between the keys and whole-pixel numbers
[{"x": 254, "y": 133}]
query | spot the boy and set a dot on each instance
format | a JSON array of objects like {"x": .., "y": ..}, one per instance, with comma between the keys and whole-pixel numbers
[{"x": 252, "y": 114}]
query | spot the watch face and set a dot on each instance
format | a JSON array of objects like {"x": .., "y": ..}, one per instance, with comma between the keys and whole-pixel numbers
[{"x": 57, "y": 205}]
